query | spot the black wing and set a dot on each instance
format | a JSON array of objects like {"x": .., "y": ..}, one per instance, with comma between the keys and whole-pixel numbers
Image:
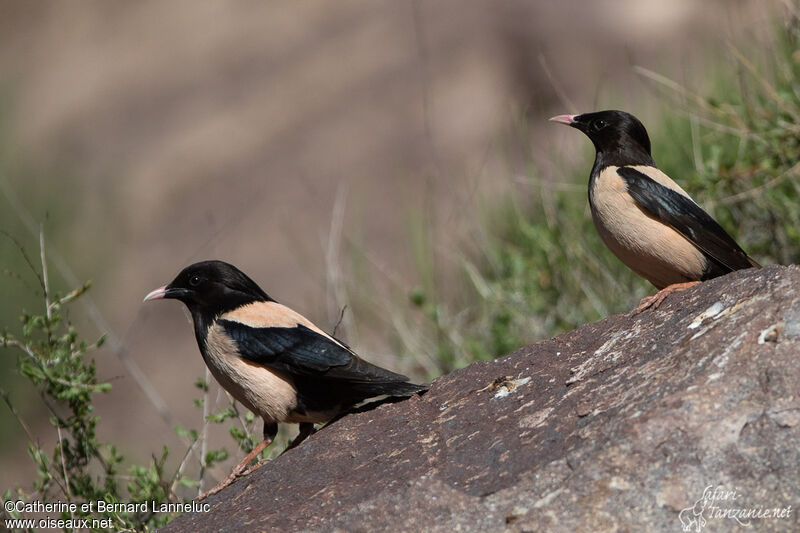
[
  {"x": 300, "y": 351},
  {"x": 687, "y": 218}
]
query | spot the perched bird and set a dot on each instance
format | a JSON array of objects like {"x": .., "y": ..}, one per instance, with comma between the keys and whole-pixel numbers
[
  {"x": 270, "y": 358},
  {"x": 644, "y": 217}
]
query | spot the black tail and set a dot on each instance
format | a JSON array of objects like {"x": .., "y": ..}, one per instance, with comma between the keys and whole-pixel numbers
[
  {"x": 402, "y": 388},
  {"x": 370, "y": 389},
  {"x": 401, "y": 393}
]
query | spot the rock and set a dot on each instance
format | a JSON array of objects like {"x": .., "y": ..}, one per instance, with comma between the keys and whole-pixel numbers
[{"x": 642, "y": 422}]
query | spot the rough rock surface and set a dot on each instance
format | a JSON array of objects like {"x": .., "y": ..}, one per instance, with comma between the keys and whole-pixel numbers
[{"x": 616, "y": 426}]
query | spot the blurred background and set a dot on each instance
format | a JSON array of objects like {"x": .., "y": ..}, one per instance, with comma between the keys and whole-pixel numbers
[{"x": 392, "y": 159}]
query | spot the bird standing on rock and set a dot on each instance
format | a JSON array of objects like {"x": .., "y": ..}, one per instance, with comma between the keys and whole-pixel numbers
[
  {"x": 270, "y": 358},
  {"x": 644, "y": 217}
]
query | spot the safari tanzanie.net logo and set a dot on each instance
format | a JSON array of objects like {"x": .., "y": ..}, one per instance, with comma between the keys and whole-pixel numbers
[{"x": 718, "y": 503}]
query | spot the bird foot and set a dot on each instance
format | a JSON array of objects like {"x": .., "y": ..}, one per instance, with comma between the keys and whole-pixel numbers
[
  {"x": 224, "y": 483},
  {"x": 306, "y": 429},
  {"x": 239, "y": 470},
  {"x": 253, "y": 468},
  {"x": 655, "y": 300}
]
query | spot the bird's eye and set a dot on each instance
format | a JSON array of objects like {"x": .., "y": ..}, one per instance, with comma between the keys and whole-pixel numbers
[
  {"x": 599, "y": 124},
  {"x": 194, "y": 281}
]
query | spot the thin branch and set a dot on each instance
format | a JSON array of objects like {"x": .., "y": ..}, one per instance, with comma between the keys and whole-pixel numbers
[
  {"x": 242, "y": 421},
  {"x": 69, "y": 296},
  {"x": 115, "y": 344},
  {"x": 338, "y": 322},
  {"x": 25, "y": 257},
  {"x": 45, "y": 280},
  {"x": 16, "y": 344},
  {"x": 179, "y": 471},
  {"x": 204, "y": 433},
  {"x": 64, "y": 466},
  {"x": 63, "y": 423},
  {"x": 336, "y": 289},
  {"x": 7, "y": 399},
  {"x": 30, "y": 353}
]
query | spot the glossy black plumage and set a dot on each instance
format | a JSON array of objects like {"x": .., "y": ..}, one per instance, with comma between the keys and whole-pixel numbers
[
  {"x": 688, "y": 219},
  {"x": 324, "y": 372},
  {"x": 270, "y": 358},
  {"x": 643, "y": 216}
]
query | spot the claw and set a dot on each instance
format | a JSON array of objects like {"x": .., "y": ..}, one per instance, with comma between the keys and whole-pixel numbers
[
  {"x": 655, "y": 300},
  {"x": 239, "y": 470}
]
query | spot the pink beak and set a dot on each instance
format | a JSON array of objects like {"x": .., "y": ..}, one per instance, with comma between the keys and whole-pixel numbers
[
  {"x": 157, "y": 294},
  {"x": 564, "y": 119}
]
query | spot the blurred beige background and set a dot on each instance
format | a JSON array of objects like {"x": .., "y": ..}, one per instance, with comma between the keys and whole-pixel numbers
[{"x": 161, "y": 133}]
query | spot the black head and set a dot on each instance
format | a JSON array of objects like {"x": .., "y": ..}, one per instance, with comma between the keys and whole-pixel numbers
[
  {"x": 211, "y": 288},
  {"x": 618, "y": 137}
]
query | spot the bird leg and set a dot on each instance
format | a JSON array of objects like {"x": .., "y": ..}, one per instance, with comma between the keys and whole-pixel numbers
[
  {"x": 270, "y": 430},
  {"x": 306, "y": 429},
  {"x": 655, "y": 300}
]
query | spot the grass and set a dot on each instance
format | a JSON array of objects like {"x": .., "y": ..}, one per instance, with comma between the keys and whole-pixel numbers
[
  {"x": 81, "y": 469},
  {"x": 535, "y": 266}
]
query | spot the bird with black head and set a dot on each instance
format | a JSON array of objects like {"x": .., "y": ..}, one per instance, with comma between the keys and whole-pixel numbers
[
  {"x": 272, "y": 359},
  {"x": 647, "y": 220}
]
